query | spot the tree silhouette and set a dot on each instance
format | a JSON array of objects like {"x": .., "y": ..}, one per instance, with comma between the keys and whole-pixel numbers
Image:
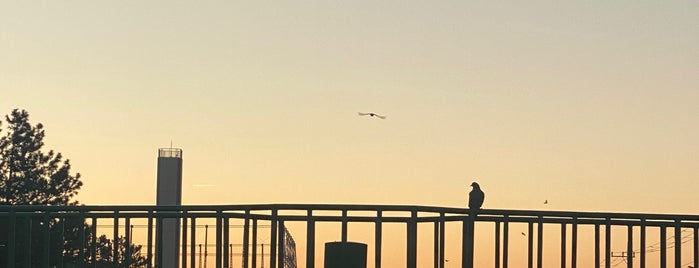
[{"x": 30, "y": 176}]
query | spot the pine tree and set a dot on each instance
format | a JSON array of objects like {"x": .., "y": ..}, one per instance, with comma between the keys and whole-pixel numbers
[{"x": 29, "y": 176}]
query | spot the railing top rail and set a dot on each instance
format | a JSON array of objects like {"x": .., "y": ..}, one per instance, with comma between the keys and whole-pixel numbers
[{"x": 296, "y": 209}]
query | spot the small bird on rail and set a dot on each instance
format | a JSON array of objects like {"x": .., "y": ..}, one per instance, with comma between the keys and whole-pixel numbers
[
  {"x": 372, "y": 115},
  {"x": 475, "y": 197}
]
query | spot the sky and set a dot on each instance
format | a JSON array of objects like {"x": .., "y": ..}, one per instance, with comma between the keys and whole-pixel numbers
[{"x": 591, "y": 105}]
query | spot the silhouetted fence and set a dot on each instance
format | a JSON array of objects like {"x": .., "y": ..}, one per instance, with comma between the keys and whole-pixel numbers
[{"x": 47, "y": 236}]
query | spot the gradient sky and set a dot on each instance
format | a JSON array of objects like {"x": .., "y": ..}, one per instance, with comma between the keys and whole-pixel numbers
[{"x": 593, "y": 105}]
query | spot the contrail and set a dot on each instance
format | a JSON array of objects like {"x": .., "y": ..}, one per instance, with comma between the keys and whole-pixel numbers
[{"x": 203, "y": 185}]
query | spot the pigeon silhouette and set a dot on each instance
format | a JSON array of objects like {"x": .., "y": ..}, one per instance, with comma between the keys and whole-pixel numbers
[
  {"x": 475, "y": 197},
  {"x": 372, "y": 115}
]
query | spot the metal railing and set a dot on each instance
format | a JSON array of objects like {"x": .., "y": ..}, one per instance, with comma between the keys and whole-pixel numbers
[{"x": 28, "y": 235}]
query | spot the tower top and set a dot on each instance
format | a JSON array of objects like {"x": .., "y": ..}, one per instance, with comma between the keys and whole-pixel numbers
[{"x": 170, "y": 152}]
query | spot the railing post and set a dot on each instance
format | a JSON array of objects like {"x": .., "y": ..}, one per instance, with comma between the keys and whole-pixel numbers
[
  {"x": 442, "y": 226},
  {"x": 467, "y": 242}
]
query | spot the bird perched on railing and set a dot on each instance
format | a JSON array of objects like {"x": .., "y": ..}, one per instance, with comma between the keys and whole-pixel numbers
[
  {"x": 475, "y": 197},
  {"x": 372, "y": 115}
]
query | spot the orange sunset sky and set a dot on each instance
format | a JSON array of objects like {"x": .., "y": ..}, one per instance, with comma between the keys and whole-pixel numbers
[{"x": 593, "y": 105}]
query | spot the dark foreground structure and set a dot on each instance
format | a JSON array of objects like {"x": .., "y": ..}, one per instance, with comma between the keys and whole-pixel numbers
[{"x": 677, "y": 235}]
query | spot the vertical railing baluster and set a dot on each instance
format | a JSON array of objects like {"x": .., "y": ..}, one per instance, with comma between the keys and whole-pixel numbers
[
  {"x": 183, "y": 218},
  {"x": 435, "y": 239},
  {"x": 81, "y": 240},
  {"x": 310, "y": 239},
  {"x": 254, "y": 243},
  {"x": 412, "y": 240},
  {"x": 663, "y": 246},
  {"x": 281, "y": 247},
  {"x": 93, "y": 246},
  {"x": 643, "y": 244},
  {"x": 226, "y": 242},
  {"x": 28, "y": 242},
  {"x": 540, "y": 242},
  {"x": 607, "y": 244},
  {"x": 344, "y": 226},
  {"x": 442, "y": 230},
  {"x": 530, "y": 244},
  {"x": 563, "y": 244},
  {"x": 629, "y": 247},
  {"x": 149, "y": 253},
  {"x": 696, "y": 247},
  {"x": 193, "y": 242},
  {"x": 127, "y": 242},
  {"x": 273, "y": 241},
  {"x": 597, "y": 246},
  {"x": 59, "y": 254},
  {"x": 246, "y": 240},
  {"x": 497, "y": 244},
  {"x": 378, "y": 238},
  {"x": 574, "y": 244},
  {"x": 219, "y": 238},
  {"x": 505, "y": 241},
  {"x": 47, "y": 241},
  {"x": 115, "y": 250},
  {"x": 11, "y": 238},
  {"x": 678, "y": 244}
]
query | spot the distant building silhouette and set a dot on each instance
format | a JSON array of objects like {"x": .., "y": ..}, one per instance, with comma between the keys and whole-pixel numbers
[{"x": 169, "y": 193}]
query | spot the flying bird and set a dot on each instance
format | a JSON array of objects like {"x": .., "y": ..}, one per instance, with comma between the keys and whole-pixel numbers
[
  {"x": 372, "y": 115},
  {"x": 475, "y": 197},
  {"x": 524, "y": 234},
  {"x": 546, "y": 202}
]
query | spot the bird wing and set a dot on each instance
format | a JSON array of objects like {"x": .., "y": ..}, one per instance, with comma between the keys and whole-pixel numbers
[
  {"x": 360, "y": 113},
  {"x": 381, "y": 116}
]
